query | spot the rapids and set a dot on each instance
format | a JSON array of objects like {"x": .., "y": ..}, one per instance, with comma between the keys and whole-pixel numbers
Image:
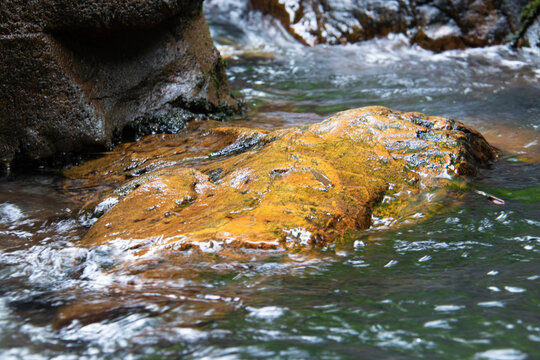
[{"x": 462, "y": 285}]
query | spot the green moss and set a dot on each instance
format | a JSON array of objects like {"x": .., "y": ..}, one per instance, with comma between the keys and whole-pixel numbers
[
  {"x": 217, "y": 85},
  {"x": 349, "y": 236},
  {"x": 218, "y": 74},
  {"x": 182, "y": 205},
  {"x": 530, "y": 12},
  {"x": 529, "y": 195},
  {"x": 459, "y": 185}
]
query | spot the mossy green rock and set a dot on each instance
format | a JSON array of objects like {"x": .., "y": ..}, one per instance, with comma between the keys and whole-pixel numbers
[{"x": 226, "y": 187}]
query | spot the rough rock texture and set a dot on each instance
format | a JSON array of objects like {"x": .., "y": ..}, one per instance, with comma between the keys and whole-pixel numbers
[
  {"x": 298, "y": 187},
  {"x": 434, "y": 24},
  {"x": 74, "y": 74}
]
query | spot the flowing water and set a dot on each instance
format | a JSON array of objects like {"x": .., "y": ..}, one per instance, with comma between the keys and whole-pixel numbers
[{"x": 464, "y": 284}]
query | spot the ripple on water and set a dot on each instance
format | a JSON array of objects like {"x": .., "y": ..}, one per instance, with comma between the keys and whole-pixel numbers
[
  {"x": 439, "y": 324},
  {"x": 501, "y": 354},
  {"x": 514, "y": 289},
  {"x": 297, "y": 305},
  {"x": 491, "y": 304},
  {"x": 448, "y": 308}
]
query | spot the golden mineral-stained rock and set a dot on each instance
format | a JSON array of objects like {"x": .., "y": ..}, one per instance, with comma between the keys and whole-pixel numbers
[{"x": 238, "y": 187}]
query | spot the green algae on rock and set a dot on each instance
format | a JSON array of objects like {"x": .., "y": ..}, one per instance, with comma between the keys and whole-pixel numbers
[{"x": 291, "y": 188}]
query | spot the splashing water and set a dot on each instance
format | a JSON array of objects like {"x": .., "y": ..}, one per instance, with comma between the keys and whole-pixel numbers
[{"x": 463, "y": 284}]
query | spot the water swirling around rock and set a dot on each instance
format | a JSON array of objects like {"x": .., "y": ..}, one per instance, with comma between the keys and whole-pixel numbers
[{"x": 462, "y": 284}]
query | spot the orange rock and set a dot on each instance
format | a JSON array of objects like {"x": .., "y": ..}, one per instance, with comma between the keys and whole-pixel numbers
[{"x": 221, "y": 187}]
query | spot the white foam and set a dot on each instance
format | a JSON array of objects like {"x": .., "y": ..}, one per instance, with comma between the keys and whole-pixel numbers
[
  {"x": 106, "y": 205},
  {"x": 449, "y": 307},
  {"x": 10, "y": 213},
  {"x": 491, "y": 304},
  {"x": 268, "y": 313},
  {"x": 514, "y": 289},
  {"x": 298, "y": 235},
  {"x": 501, "y": 354}
]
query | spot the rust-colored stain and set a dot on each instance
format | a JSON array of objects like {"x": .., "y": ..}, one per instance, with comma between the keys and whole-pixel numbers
[{"x": 225, "y": 187}]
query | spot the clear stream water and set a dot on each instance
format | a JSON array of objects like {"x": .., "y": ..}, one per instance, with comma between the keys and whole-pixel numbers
[{"x": 464, "y": 284}]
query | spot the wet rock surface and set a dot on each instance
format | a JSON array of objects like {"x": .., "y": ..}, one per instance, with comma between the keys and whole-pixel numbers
[
  {"x": 74, "y": 76},
  {"x": 434, "y": 24},
  {"x": 532, "y": 35},
  {"x": 215, "y": 188},
  {"x": 529, "y": 33}
]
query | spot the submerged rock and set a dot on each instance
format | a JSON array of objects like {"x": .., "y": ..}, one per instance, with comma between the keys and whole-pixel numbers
[
  {"x": 221, "y": 187},
  {"x": 73, "y": 75},
  {"x": 434, "y": 24}
]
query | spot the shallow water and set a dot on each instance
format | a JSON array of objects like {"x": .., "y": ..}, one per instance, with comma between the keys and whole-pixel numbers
[{"x": 461, "y": 285}]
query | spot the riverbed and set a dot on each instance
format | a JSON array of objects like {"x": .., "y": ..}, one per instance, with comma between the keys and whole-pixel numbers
[{"x": 463, "y": 284}]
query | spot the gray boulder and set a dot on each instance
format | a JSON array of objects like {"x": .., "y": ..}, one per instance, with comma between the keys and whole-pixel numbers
[{"x": 74, "y": 75}]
